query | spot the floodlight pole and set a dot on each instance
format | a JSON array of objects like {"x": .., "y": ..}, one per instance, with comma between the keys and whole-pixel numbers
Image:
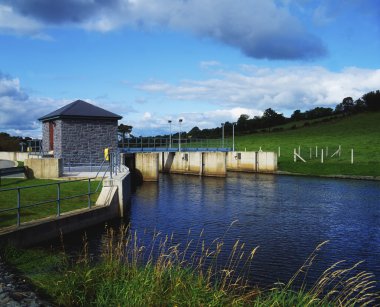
[
  {"x": 233, "y": 137},
  {"x": 179, "y": 138},
  {"x": 170, "y": 135}
]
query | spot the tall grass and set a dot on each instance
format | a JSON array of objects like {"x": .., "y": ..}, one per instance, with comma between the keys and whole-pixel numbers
[{"x": 167, "y": 273}]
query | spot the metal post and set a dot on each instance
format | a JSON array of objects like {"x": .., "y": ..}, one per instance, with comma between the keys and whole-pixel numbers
[
  {"x": 89, "y": 193},
  {"x": 18, "y": 206},
  {"x": 222, "y": 135},
  {"x": 170, "y": 135},
  {"x": 179, "y": 138},
  {"x": 352, "y": 156},
  {"x": 233, "y": 137},
  {"x": 58, "y": 199},
  {"x": 110, "y": 165}
]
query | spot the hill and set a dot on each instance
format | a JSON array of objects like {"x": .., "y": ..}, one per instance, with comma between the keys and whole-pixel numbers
[{"x": 359, "y": 132}]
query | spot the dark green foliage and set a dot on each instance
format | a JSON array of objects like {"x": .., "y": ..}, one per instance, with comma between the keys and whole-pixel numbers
[
  {"x": 372, "y": 101},
  {"x": 12, "y": 143}
]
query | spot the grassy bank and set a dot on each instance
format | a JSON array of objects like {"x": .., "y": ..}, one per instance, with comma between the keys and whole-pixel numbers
[
  {"x": 39, "y": 194},
  {"x": 359, "y": 132},
  {"x": 168, "y": 274}
]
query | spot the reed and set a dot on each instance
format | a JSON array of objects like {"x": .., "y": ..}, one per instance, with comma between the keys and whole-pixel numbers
[{"x": 170, "y": 273}]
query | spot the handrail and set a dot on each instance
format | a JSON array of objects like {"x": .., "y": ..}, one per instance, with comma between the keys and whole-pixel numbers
[
  {"x": 113, "y": 167},
  {"x": 56, "y": 200}
]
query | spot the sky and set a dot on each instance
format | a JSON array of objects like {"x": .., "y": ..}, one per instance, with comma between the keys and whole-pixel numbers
[{"x": 204, "y": 61}]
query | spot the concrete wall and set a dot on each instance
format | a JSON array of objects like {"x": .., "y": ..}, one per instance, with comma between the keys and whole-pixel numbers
[
  {"x": 147, "y": 165},
  {"x": 196, "y": 163},
  {"x": 267, "y": 161},
  {"x": 81, "y": 140},
  {"x": 181, "y": 162},
  {"x": 13, "y": 156},
  {"x": 244, "y": 161},
  {"x": 214, "y": 164},
  {"x": 250, "y": 161},
  {"x": 108, "y": 206},
  {"x": 44, "y": 168}
]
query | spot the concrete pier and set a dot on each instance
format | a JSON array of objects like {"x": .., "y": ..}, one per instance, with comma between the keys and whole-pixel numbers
[
  {"x": 194, "y": 163},
  {"x": 147, "y": 165},
  {"x": 252, "y": 161},
  {"x": 181, "y": 162},
  {"x": 214, "y": 164}
]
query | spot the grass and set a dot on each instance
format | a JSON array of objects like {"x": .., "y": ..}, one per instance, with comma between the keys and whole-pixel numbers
[
  {"x": 359, "y": 132},
  {"x": 38, "y": 194},
  {"x": 168, "y": 274}
]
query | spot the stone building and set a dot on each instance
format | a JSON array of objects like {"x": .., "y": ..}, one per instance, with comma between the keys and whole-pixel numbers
[{"x": 79, "y": 132}]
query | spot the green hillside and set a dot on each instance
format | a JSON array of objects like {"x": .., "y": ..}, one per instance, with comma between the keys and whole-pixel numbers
[{"x": 358, "y": 132}]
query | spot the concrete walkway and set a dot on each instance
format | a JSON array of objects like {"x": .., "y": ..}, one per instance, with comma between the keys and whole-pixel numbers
[
  {"x": 80, "y": 175},
  {"x": 8, "y": 163}
]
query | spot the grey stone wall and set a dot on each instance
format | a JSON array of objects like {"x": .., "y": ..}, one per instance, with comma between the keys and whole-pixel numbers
[
  {"x": 83, "y": 141},
  {"x": 45, "y": 137}
]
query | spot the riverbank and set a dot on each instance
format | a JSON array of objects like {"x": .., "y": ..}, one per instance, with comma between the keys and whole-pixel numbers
[
  {"x": 16, "y": 291},
  {"x": 349, "y": 177},
  {"x": 357, "y": 134},
  {"x": 166, "y": 274}
]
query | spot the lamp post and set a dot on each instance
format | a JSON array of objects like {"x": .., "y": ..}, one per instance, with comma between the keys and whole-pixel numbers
[
  {"x": 179, "y": 140},
  {"x": 222, "y": 135},
  {"x": 233, "y": 137},
  {"x": 170, "y": 136}
]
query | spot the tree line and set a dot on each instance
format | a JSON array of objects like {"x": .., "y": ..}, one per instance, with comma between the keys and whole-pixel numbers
[
  {"x": 12, "y": 143},
  {"x": 369, "y": 102}
]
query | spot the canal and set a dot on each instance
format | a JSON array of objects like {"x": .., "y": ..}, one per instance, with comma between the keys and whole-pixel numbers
[{"x": 285, "y": 216}]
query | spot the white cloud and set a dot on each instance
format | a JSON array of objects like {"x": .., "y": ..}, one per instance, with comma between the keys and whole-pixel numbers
[
  {"x": 145, "y": 124},
  {"x": 11, "y": 21},
  {"x": 284, "y": 89}
]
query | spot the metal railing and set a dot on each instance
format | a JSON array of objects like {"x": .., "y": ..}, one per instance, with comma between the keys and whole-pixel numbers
[
  {"x": 142, "y": 144},
  {"x": 58, "y": 200},
  {"x": 112, "y": 165}
]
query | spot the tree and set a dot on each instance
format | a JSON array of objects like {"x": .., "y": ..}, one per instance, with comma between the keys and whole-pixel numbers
[
  {"x": 123, "y": 130},
  {"x": 272, "y": 118},
  {"x": 242, "y": 122},
  {"x": 347, "y": 106},
  {"x": 372, "y": 100},
  {"x": 297, "y": 115}
]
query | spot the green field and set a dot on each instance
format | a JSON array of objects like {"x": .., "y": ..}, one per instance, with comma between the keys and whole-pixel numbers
[
  {"x": 358, "y": 132},
  {"x": 39, "y": 194}
]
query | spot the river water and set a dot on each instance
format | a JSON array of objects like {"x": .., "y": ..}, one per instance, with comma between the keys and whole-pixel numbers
[{"x": 285, "y": 216}]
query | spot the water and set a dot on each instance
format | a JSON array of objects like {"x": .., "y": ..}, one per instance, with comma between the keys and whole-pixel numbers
[{"x": 286, "y": 216}]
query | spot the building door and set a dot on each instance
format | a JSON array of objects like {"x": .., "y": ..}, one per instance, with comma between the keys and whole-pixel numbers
[{"x": 51, "y": 136}]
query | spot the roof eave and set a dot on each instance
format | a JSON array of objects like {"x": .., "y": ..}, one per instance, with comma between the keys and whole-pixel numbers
[{"x": 45, "y": 119}]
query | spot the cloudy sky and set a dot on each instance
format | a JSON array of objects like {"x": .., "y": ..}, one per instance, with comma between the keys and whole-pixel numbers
[{"x": 206, "y": 61}]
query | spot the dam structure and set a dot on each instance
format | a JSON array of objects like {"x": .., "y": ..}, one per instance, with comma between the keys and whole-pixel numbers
[{"x": 147, "y": 159}]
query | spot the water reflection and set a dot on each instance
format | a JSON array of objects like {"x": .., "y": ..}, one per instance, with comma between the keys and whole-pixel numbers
[{"x": 286, "y": 216}]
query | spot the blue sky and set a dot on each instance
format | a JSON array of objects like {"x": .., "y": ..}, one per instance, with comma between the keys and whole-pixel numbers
[{"x": 206, "y": 61}]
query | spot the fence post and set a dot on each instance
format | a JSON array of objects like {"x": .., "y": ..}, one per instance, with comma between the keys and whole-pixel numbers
[
  {"x": 316, "y": 151},
  {"x": 310, "y": 152},
  {"x": 279, "y": 151},
  {"x": 352, "y": 156},
  {"x": 89, "y": 193},
  {"x": 18, "y": 206},
  {"x": 322, "y": 155},
  {"x": 294, "y": 155},
  {"x": 58, "y": 199}
]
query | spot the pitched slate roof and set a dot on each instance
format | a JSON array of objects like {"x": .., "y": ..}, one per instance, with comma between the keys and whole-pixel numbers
[{"x": 80, "y": 109}]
